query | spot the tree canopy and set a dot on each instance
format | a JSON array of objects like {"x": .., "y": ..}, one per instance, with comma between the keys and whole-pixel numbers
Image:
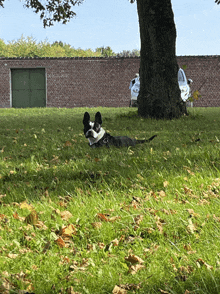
[{"x": 52, "y": 10}]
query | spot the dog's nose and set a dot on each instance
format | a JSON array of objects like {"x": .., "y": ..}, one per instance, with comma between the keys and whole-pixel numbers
[{"x": 91, "y": 134}]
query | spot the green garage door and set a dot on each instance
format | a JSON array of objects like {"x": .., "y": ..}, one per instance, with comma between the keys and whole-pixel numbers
[{"x": 28, "y": 87}]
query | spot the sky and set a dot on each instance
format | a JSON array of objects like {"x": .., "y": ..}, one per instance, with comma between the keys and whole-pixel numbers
[{"x": 114, "y": 23}]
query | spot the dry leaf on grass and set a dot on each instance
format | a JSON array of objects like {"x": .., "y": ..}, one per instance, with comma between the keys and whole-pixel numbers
[
  {"x": 70, "y": 290},
  {"x": 201, "y": 262},
  {"x": 65, "y": 215},
  {"x": 162, "y": 193},
  {"x": 68, "y": 231},
  {"x": 32, "y": 218},
  {"x": 135, "y": 268},
  {"x": 41, "y": 225},
  {"x": 24, "y": 205},
  {"x": 119, "y": 290},
  {"x": 113, "y": 218},
  {"x": 102, "y": 217},
  {"x": 138, "y": 219},
  {"x": 191, "y": 227},
  {"x": 96, "y": 225},
  {"x": 12, "y": 256},
  {"x": 192, "y": 213},
  {"x": 164, "y": 292},
  {"x": 165, "y": 184},
  {"x": 67, "y": 144},
  {"x": 105, "y": 217},
  {"x": 16, "y": 216},
  {"x": 134, "y": 259},
  {"x": 60, "y": 242}
]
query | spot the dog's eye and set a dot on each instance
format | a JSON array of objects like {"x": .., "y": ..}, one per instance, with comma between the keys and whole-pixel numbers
[{"x": 96, "y": 127}]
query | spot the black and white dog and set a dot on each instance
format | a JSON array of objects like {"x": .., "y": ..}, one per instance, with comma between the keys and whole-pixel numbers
[{"x": 98, "y": 137}]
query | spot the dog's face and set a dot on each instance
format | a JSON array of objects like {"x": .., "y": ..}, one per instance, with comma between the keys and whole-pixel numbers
[{"x": 92, "y": 129}]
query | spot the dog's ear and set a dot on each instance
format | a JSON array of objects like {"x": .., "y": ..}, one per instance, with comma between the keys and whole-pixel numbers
[
  {"x": 98, "y": 117},
  {"x": 86, "y": 118}
]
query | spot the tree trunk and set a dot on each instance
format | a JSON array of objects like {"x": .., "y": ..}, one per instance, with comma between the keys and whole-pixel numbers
[{"x": 159, "y": 95}]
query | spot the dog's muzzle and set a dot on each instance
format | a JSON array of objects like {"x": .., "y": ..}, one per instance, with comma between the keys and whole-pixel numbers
[{"x": 94, "y": 137}]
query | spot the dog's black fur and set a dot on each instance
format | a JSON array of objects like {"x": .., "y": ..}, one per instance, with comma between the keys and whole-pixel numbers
[{"x": 98, "y": 137}]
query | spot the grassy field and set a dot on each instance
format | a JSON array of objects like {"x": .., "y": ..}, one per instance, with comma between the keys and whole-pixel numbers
[{"x": 144, "y": 219}]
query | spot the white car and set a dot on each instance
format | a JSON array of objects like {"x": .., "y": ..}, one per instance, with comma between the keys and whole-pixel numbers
[{"x": 184, "y": 85}]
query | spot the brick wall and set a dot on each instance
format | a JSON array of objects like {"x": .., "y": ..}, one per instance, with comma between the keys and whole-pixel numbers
[
  {"x": 205, "y": 73},
  {"x": 91, "y": 82}
]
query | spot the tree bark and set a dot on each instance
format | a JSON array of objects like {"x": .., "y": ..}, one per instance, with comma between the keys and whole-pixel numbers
[{"x": 159, "y": 95}]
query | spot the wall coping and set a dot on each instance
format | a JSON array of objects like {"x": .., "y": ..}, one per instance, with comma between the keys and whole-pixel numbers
[{"x": 98, "y": 58}]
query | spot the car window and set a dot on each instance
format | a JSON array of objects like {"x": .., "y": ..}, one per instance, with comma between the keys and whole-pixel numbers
[{"x": 180, "y": 76}]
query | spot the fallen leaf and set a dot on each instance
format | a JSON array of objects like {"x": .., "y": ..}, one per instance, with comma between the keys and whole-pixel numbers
[
  {"x": 96, "y": 225},
  {"x": 65, "y": 215},
  {"x": 41, "y": 225},
  {"x": 159, "y": 226},
  {"x": 130, "y": 287},
  {"x": 68, "y": 231},
  {"x": 161, "y": 193},
  {"x": 164, "y": 292},
  {"x": 191, "y": 227},
  {"x": 165, "y": 184},
  {"x": 190, "y": 172},
  {"x": 3, "y": 217},
  {"x": 200, "y": 261},
  {"x": 32, "y": 218},
  {"x": 12, "y": 256},
  {"x": 102, "y": 217},
  {"x": 115, "y": 242},
  {"x": 135, "y": 268},
  {"x": 67, "y": 144},
  {"x": 113, "y": 218},
  {"x": 34, "y": 267},
  {"x": 192, "y": 213},
  {"x": 119, "y": 290},
  {"x": 70, "y": 290},
  {"x": 187, "y": 247},
  {"x": 203, "y": 202},
  {"x": 60, "y": 242},
  {"x": 26, "y": 205},
  {"x": 134, "y": 259},
  {"x": 168, "y": 212},
  {"x": 16, "y": 216},
  {"x": 217, "y": 218},
  {"x": 30, "y": 288},
  {"x": 138, "y": 219},
  {"x": 187, "y": 190}
]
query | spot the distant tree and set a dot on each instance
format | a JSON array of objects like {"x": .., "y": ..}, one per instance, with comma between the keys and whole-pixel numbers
[
  {"x": 105, "y": 51},
  {"x": 128, "y": 53},
  {"x": 28, "y": 47}
]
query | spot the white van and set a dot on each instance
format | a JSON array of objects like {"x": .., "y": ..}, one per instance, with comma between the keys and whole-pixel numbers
[{"x": 183, "y": 85}]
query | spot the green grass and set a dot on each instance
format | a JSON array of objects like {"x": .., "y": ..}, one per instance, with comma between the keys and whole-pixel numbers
[{"x": 72, "y": 218}]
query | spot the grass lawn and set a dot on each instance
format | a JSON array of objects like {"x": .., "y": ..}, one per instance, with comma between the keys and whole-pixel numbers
[{"x": 144, "y": 219}]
